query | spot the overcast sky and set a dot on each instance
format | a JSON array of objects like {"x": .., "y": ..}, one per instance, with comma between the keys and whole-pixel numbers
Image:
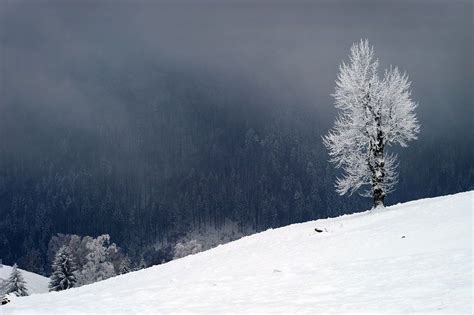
[{"x": 288, "y": 51}]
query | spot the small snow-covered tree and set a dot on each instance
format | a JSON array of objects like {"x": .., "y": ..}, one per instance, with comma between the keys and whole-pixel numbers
[
  {"x": 15, "y": 283},
  {"x": 64, "y": 268},
  {"x": 125, "y": 265},
  {"x": 183, "y": 249},
  {"x": 142, "y": 264},
  {"x": 374, "y": 114}
]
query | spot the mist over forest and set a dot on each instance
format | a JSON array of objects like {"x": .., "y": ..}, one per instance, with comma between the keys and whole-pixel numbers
[{"x": 154, "y": 121}]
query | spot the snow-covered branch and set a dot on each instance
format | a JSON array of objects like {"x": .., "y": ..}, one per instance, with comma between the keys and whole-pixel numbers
[{"x": 374, "y": 113}]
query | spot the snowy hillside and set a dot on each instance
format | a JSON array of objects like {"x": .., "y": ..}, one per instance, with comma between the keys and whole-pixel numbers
[
  {"x": 35, "y": 283},
  {"x": 413, "y": 257}
]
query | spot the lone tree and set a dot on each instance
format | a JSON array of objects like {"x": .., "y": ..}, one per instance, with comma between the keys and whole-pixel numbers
[
  {"x": 15, "y": 283},
  {"x": 374, "y": 114},
  {"x": 64, "y": 268}
]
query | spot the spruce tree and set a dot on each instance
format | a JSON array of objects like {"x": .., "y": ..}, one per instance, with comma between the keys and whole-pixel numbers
[
  {"x": 63, "y": 276},
  {"x": 15, "y": 283},
  {"x": 142, "y": 264},
  {"x": 125, "y": 266}
]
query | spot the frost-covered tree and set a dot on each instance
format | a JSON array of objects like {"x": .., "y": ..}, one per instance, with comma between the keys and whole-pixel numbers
[
  {"x": 64, "y": 268},
  {"x": 98, "y": 266},
  {"x": 15, "y": 283},
  {"x": 374, "y": 114},
  {"x": 183, "y": 249},
  {"x": 142, "y": 264},
  {"x": 125, "y": 265},
  {"x": 95, "y": 258}
]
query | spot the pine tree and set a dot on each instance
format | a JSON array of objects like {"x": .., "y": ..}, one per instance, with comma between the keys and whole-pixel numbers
[
  {"x": 64, "y": 267},
  {"x": 374, "y": 114},
  {"x": 142, "y": 264},
  {"x": 15, "y": 283},
  {"x": 125, "y": 266}
]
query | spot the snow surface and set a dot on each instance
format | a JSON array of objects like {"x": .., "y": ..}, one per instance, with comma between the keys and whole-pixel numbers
[
  {"x": 412, "y": 257},
  {"x": 35, "y": 283}
]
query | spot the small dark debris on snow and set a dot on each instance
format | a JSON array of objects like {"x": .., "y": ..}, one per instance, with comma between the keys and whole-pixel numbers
[
  {"x": 403, "y": 236},
  {"x": 318, "y": 230},
  {"x": 276, "y": 270}
]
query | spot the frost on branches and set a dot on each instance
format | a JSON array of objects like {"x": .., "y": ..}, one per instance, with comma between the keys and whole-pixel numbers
[
  {"x": 183, "y": 249},
  {"x": 64, "y": 268},
  {"x": 98, "y": 264},
  {"x": 15, "y": 283},
  {"x": 373, "y": 114}
]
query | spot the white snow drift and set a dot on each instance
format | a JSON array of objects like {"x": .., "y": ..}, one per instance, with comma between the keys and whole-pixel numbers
[{"x": 413, "y": 257}]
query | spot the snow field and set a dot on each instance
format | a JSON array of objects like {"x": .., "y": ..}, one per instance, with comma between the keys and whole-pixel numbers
[{"x": 411, "y": 257}]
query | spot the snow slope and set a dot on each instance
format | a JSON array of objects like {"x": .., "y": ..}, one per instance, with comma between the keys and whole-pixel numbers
[
  {"x": 35, "y": 283},
  {"x": 412, "y": 257}
]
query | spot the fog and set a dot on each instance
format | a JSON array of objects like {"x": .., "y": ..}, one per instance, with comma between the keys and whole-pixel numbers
[
  {"x": 154, "y": 120},
  {"x": 285, "y": 52}
]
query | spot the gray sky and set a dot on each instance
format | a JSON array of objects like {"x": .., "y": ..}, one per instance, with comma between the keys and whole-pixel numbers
[{"x": 287, "y": 51}]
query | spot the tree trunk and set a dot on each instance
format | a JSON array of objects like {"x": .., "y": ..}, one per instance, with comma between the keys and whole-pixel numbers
[
  {"x": 378, "y": 169},
  {"x": 379, "y": 197},
  {"x": 376, "y": 155}
]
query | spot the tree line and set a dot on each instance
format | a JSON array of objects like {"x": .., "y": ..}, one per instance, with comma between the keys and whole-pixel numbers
[{"x": 188, "y": 159}]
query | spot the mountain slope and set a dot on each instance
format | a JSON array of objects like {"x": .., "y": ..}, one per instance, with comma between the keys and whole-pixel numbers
[
  {"x": 410, "y": 257},
  {"x": 35, "y": 283}
]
